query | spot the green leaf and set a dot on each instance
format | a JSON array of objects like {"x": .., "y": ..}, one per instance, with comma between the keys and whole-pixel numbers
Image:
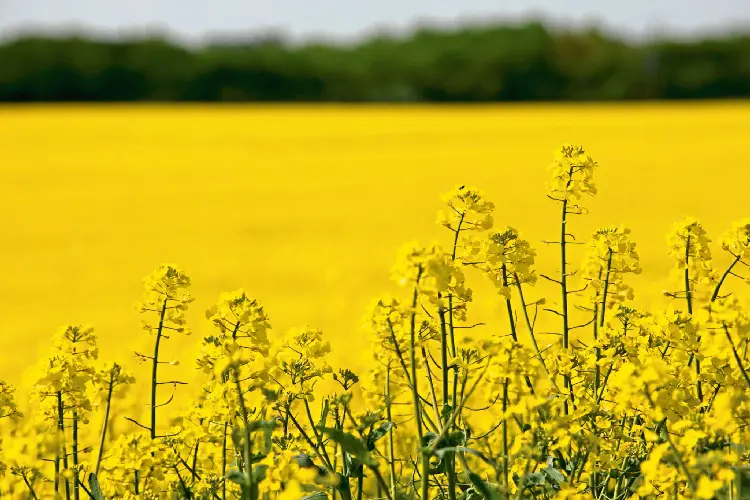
[
  {"x": 457, "y": 438},
  {"x": 440, "y": 452},
  {"x": 554, "y": 474},
  {"x": 483, "y": 487},
  {"x": 471, "y": 494},
  {"x": 96, "y": 490},
  {"x": 350, "y": 444},
  {"x": 534, "y": 479},
  {"x": 261, "y": 425},
  {"x": 378, "y": 433},
  {"x": 318, "y": 495},
  {"x": 259, "y": 472},
  {"x": 306, "y": 462},
  {"x": 428, "y": 438},
  {"x": 323, "y": 414},
  {"x": 237, "y": 477}
]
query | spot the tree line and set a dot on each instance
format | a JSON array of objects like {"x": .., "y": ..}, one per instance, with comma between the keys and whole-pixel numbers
[{"x": 523, "y": 62}]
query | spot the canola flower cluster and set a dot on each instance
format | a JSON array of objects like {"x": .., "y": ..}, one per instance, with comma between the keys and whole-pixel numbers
[{"x": 628, "y": 404}]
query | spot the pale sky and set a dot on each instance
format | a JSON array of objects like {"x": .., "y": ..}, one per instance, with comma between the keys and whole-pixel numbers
[{"x": 192, "y": 20}]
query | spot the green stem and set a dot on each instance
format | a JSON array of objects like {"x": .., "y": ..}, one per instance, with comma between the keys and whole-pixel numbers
[
  {"x": 247, "y": 491},
  {"x": 506, "y": 458},
  {"x": 564, "y": 288},
  {"x": 444, "y": 361},
  {"x": 446, "y": 410},
  {"x": 360, "y": 486},
  {"x": 531, "y": 331},
  {"x": 724, "y": 277},
  {"x": 389, "y": 416},
  {"x": 451, "y": 330},
  {"x": 194, "y": 470},
  {"x": 318, "y": 436},
  {"x": 224, "y": 462},
  {"x": 689, "y": 299},
  {"x": 76, "y": 488},
  {"x": 425, "y": 488},
  {"x": 31, "y": 488},
  {"x": 61, "y": 429},
  {"x": 737, "y": 356},
  {"x": 155, "y": 367},
  {"x": 431, "y": 386},
  {"x": 105, "y": 424}
]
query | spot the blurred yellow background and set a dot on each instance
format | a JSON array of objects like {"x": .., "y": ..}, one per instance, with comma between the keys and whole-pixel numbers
[{"x": 305, "y": 207}]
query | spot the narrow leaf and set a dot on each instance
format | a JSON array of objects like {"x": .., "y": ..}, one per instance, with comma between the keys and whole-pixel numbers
[{"x": 350, "y": 444}]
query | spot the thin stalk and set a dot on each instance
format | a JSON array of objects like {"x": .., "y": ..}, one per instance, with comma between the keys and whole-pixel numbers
[
  {"x": 76, "y": 488},
  {"x": 224, "y": 462},
  {"x": 360, "y": 486},
  {"x": 195, "y": 461},
  {"x": 329, "y": 467},
  {"x": 531, "y": 331},
  {"x": 389, "y": 416},
  {"x": 185, "y": 489},
  {"x": 597, "y": 349},
  {"x": 443, "y": 359},
  {"x": 103, "y": 437},
  {"x": 445, "y": 411},
  {"x": 511, "y": 320},
  {"x": 247, "y": 491},
  {"x": 606, "y": 289},
  {"x": 564, "y": 287},
  {"x": 737, "y": 356},
  {"x": 724, "y": 277},
  {"x": 155, "y": 367},
  {"x": 61, "y": 428},
  {"x": 381, "y": 483},
  {"x": 318, "y": 436},
  {"x": 451, "y": 330},
  {"x": 31, "y": 488},
  {"x": 425, "y": 487},
  {"x": 508, "y": 305},
  {"x": 689, "y": 299},
  {"x": 431, "y": 386},
  {"x": 506, "y": 458}
]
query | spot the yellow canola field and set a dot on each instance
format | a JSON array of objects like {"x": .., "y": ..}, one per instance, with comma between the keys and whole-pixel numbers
[{"x": 305, "y": 207}]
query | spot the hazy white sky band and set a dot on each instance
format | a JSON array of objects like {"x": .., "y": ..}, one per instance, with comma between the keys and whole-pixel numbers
[{"x": 195, "y": 20}]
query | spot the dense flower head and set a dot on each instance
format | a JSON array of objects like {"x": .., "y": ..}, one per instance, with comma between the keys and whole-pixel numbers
[
  {"x": 467, "y": 210},
  {"x": 111, "y": 380},
  {"x": 8, "y": 406},
  {"x": 238, "y": 315},
  {"x": 610, "y": 254},
  {"x": 689, "y": 247},
  {"x": 388, "y": 321},
  {"x": 77, "y": 340},
  {"x": 167, "y": 295},
  {"x": 242, "y": 339},
  {"x": 297, "y": 361},
  {"x": 307, "y": 342},
  {"x": 506, "y": 259},
  {"x": 572, "y": 174},
  {"x": 432, "y": 272},
  {"x": 736, "y": 240},
  {"x": 68, "y": 372}
]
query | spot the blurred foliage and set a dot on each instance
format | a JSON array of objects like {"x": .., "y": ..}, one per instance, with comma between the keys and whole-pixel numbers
[{"x": 482, "y": 63}]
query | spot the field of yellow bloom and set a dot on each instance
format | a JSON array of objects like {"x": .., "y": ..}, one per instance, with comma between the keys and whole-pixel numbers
[
  {"x": 550, "y": 379},
  {"x": 306, "y": 206}
]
